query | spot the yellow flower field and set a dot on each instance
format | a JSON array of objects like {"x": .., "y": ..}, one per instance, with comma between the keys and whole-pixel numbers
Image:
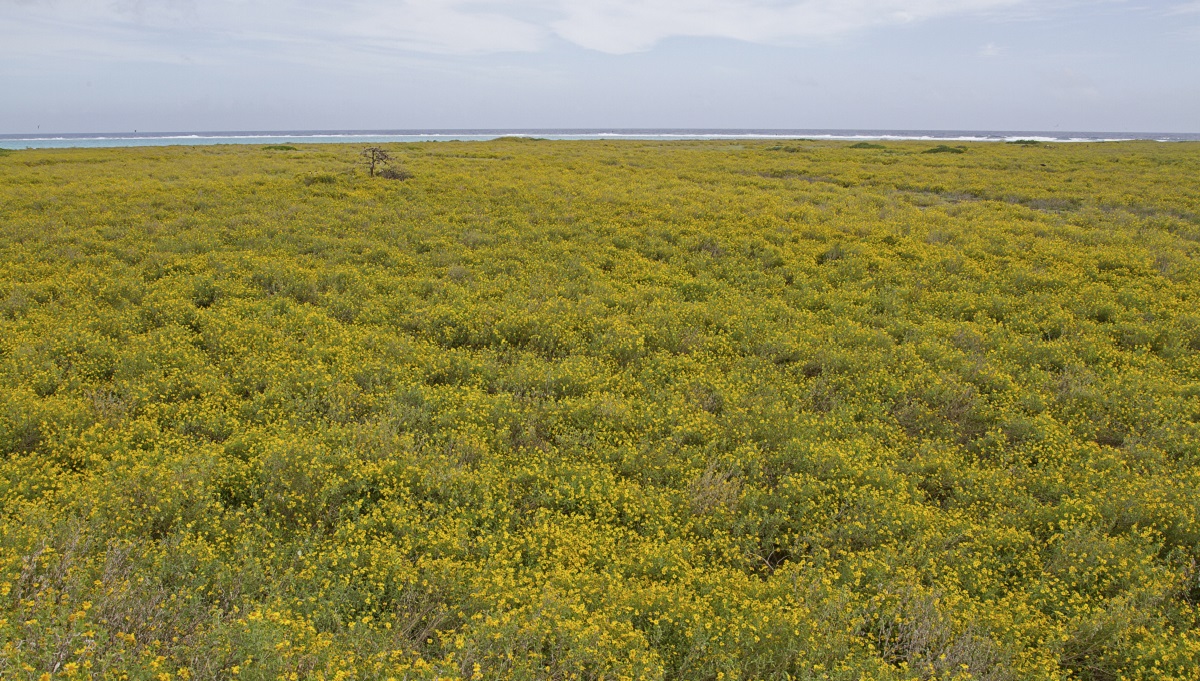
[{"x": 601, "y": 410}]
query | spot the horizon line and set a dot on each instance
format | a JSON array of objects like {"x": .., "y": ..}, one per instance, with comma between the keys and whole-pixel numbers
[{"x": 577, "y": 130}]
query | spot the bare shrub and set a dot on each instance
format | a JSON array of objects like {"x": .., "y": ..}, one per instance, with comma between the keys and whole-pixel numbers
[
  {"x": 717, "y": 486},
  {"x": 375, "y": 156},
  {"x": 392, "y": 173},
  {"x": 910, "y": 627}
]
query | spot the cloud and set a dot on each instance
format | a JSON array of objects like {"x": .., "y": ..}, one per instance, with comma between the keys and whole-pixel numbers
[
  {"x": 1185, "y": 8},
  {"x": 1189, "y": 9},
  {"x": 621, "y": 26},
  {"x": 440, "y": 27},
  {"x": 279, "y": 26},
  {"x": 455, "y": 26}
]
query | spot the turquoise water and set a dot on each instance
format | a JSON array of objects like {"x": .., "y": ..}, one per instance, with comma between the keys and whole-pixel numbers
[{"x": 155, "y": 139}]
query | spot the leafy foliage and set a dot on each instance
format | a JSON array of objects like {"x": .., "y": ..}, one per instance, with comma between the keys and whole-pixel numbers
[
  {"x": 946, "y": 149},
  {"x": 550, "y": 410}
]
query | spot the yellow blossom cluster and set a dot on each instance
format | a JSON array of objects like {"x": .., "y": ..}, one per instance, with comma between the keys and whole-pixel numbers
[{"x": 601, "y": 410}]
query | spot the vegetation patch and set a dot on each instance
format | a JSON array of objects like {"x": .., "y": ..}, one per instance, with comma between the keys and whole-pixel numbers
[
  {"x": 945, "y": 149},
  {"x": 319, "y": 179},
  {"x": 1052, "y": 203},
  {"x": 867, "y": 145},
  {"x": 394, "y": 173},
  {"x": 617, "y": 410},
  {"x": 789, "y": 174},
  {"x": 279, "y": 147}
]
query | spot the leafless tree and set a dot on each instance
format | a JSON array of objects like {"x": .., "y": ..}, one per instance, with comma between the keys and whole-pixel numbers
[{"x": 375, "y": 156}]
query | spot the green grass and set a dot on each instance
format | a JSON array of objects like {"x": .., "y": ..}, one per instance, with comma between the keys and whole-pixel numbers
[{"x": 552, "y": 410}]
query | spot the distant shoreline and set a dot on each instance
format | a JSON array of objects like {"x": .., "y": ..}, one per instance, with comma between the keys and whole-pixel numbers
[{"x": 143, "y": 139}]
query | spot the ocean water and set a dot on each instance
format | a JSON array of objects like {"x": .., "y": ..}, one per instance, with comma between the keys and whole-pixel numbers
[{"x": 155, "y": 139}]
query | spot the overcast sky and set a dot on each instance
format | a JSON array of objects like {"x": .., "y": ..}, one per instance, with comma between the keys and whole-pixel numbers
[{"x": 175, "y": 65}]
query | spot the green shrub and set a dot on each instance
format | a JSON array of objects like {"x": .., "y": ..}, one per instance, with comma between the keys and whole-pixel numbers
[
  {"x": 834, "y": 252},
  {"x": 944, "y": 149},
  {"x": 319, "y": 178}
]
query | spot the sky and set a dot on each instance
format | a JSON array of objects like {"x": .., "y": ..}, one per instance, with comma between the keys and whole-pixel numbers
[{"x": 223, "y": 65}]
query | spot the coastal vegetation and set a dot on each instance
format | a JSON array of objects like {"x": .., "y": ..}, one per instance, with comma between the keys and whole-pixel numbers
[
  {"x": 946, "y": 149},
  {"x": 601, "y": 410}
]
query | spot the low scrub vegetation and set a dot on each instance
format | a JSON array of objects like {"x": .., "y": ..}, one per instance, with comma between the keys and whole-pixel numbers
[
  {"x": 945, "y": 149},
  {"x": 394, "y": 173},
  {"x": 584, "y": 410}
]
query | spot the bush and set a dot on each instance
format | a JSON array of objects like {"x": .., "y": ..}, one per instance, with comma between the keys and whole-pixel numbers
[
  {"x": 835, "y": 252},
  {"x": 204, "y": 292},
  {"x": 279, "y": 147},
  {"x": 943, "y": 149},
  {"x": 320, "y": 178},
  {"x": 867, "y": 145},
  {"x": 392, "y": 173}
]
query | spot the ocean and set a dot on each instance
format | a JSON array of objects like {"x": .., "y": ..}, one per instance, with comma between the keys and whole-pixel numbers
[{"x": 155, "y": 139}]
